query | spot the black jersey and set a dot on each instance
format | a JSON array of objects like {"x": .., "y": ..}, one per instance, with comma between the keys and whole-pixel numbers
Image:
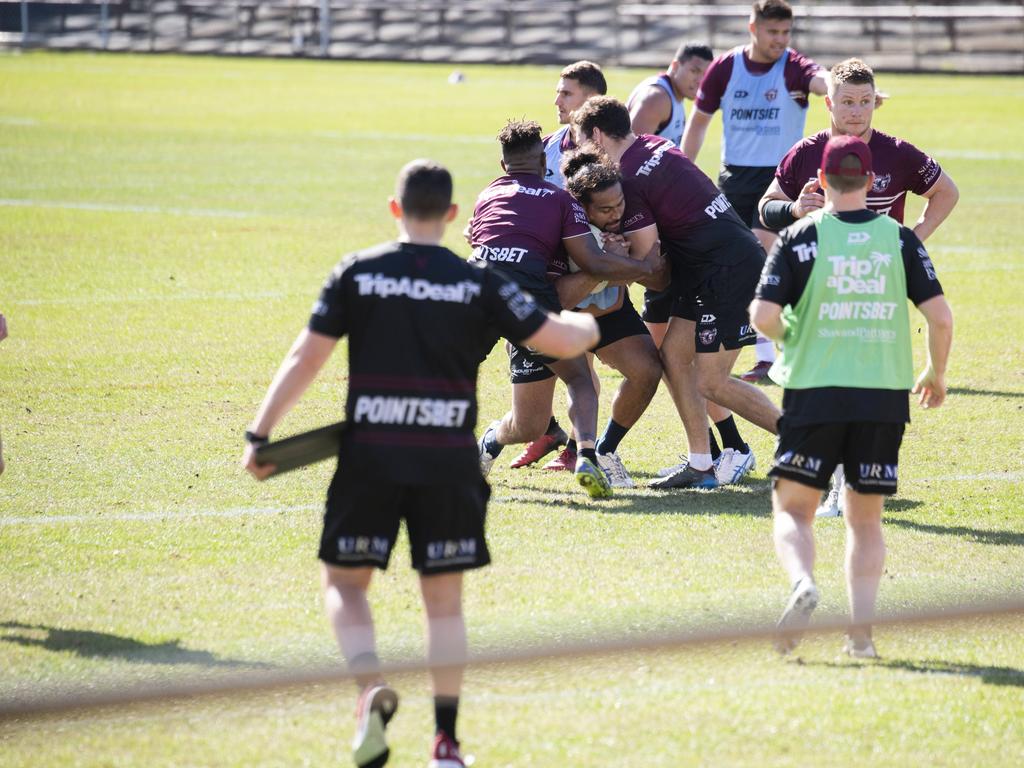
[
  {"x": 783, "y": 281},
  {"x": 420, "y": 320}
]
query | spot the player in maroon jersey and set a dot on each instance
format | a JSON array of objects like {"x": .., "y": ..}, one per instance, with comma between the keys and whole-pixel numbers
[{"x": 716, "y": 263}]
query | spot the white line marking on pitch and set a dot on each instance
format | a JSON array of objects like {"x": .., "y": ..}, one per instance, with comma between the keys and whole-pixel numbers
[
  {"x": 119, "y": 208},
  {"x": 190, "y": 296},
  {"x": 22, "y": 121},
  {"x": 154, "y": 517}
]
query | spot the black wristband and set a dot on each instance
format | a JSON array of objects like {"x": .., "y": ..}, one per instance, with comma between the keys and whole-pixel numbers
[
  {"x": 777, "y": 214},
  {"x": 252, "y": 437}
]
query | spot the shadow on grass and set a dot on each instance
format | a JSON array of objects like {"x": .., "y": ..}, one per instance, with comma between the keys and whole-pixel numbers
[
  {"x": 91, "y": 644},
  {"x": 900, "y": 505},
  {"x": 982, "y": 392},
  {"x": 979, "y": 535},
  {"x": 990, "y": 675}
]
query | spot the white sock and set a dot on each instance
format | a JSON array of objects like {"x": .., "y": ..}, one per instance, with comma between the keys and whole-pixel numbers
[
  {"x": 764, "y": 350},
  {"x": 701, "y": 461}
]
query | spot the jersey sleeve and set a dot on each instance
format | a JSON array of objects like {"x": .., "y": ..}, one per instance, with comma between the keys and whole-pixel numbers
[
  {"x": 511, "y": 310},
  {"x": 574, "y": 218},
  {"x": 925, "y": 170},
  {"x": 922, "y": 282},
  {"x": 784, "y": 277},
  {"x": 330, "y": 312},
  {"x": 637, "y": 214},
  {"x": 713, "y": 84},
  {"x": 786, "y": 174},
  {"x": 802, "y": 70}
]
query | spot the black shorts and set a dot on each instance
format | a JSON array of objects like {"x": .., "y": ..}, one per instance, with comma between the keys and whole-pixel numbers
[
  {"x": 620, "y": 324},
  {"x": 526, "y": 366},
  {"x": 445, "y": 524},
  {"x": 744, "y": 186},
  {"x": 868, "y": 450},
  {"x": 719, "y": 306},
  {"x": 658, "y": 305}
]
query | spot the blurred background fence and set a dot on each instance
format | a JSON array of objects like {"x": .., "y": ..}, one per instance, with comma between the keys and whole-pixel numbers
[{"x": 934, "y": 36}]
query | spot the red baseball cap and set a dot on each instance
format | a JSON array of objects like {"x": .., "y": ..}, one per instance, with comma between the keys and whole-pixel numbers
[{"x": 841, "y": 147}]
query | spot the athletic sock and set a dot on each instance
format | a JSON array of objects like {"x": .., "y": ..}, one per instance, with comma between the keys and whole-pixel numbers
[
  {"x": 571, "y": 445},
  {"x": 491, "y": 444},
  {"x": 731, "y": 435},
  {"x": 588, "y": 453},
  {"x": 365, "y": 668},
  {"x": 764, "y": 350},
  {"x": 715, "y": 450},
  {"x": 553, "y": 428},
  {"x": 700, "y": 461},
  {"x": 446, "y": 711},
  {"x": 613, "y": 434}
]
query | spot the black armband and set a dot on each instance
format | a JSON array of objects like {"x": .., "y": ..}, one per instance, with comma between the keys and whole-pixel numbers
[
  {"x": 777, "y": 214},
  {"x": 252, "y": 437}
]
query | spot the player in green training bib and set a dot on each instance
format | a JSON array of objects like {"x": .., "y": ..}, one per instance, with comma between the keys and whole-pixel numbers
[{"x": 834, "y": 293}]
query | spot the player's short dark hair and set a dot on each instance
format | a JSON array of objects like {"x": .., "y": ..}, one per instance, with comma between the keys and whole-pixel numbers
[
  {"x": 772, "y": 10},
  {"x": 689, "y": 51},
  {"x": 520, "y": 140},
  {"x": 851, "y": 72},
  {"x": 587, "y": 171},
  {"x": 424, "y": 189},
  {"x": 588, "y": 75},
  {"x": 843, "y": 183},
  {"x": 604, "y": 112}
]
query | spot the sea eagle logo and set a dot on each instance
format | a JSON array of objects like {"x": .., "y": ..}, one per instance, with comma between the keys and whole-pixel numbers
[
  {"x": 881, "y": 182},
  {"x": 770, "y": 95}
]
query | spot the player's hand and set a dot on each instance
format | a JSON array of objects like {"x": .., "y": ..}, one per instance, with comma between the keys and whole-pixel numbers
[
  {"x": 616, "y": 243},
  {"x": 931, "y": 386},
  {"x": 3, "y": 327},
  {"x": 810, "y": 199},
  {"x": 259, "y": 471}
]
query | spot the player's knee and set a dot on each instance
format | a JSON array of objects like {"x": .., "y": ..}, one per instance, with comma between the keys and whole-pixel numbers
[{"x": 710, "y": 384}]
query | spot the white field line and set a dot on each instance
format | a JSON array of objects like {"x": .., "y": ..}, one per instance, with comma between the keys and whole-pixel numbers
[
  {"x": 185, "y": 514},
  {"x": 126, "y": 208},
  {"x": 406, "y": 137},
  {"x": 148, "y": 299},
  {"x": 155, "y": 517},
  {"x": 20, "y": 121}
]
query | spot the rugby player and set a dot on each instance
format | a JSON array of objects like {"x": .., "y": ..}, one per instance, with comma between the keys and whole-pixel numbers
[
  {"x": 530, "y": 230},
  {"x": 762, "y": 89},
  {"x": 834, "y": 293},
  {"x": 899, "y": 167},
  {"x": 576, "y": 83},
  {"x": 656, "y": 104},
  {"x": 625, "y": 342},
  {"x": 715, "y": 260},
  {"x": 420, "y": 320}
]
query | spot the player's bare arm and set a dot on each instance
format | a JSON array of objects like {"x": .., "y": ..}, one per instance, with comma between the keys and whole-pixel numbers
[
  {"x": 941, "y": 200},
  {"x": 766, "y": 317},
  {"x": 567, "y": 334},
  {"x": 651, "y": 112},
  {"x": 301, "y": 365},
  {"x": 575, "y": 287},
  {"x": 608, "y": 266},
  {"x": 819, "y": 83},
  {"x": 694, "y": 133},
  {"x": 931, "y": 384},
  {"x": 646, "y": 241}
]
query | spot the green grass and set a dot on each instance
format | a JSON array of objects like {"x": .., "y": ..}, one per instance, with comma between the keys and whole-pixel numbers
[{"x": 143, "y": 340}]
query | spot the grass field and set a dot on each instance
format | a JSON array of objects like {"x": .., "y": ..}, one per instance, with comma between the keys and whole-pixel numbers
[{"x": 165, "y": 225}]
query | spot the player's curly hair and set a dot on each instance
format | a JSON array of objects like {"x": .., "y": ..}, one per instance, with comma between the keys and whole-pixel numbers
[
  {"x": 519, "y": 138},
  {"x": 851, "y": 72},
  {"x": 588, "y": 171},
  {"x": 604, "y": 112}
]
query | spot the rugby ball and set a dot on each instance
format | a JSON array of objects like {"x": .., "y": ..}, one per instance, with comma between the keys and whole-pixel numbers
[{"x": 600, "y": 241}]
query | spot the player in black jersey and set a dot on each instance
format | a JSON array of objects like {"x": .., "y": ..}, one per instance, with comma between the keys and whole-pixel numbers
[{"x": 420, "y": 320}]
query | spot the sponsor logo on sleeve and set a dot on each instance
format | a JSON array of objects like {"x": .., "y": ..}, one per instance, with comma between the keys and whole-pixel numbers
[
  {"x": 767, "y": 279},
  {"x": 929, "y": 171},
  {"x": 806, "y": 251},
  {"x": 719, "y": 205},
  {"x": 520, "y": 304}
]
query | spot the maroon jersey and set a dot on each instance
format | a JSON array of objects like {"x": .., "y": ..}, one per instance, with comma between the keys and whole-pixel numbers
[
  {"x": 663, "y": 187},
  {"x": 518, "y": 225},
  {"x": 798, "y": 73},
  {"x": 899, "y": 167}
]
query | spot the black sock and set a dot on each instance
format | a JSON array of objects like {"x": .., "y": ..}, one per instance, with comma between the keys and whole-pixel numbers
[
  {"x": 571, "y": 445},
  {"x": 715, "y": 450},
  {"x": 730, "y": 435},
  {"x": 491, "y": 444},
  {"x": 613, "y": 434},
  {"x": 446, "y": 710},
  {"x": 589, "y": 453},
  {"x": 553, "y": 428}
]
